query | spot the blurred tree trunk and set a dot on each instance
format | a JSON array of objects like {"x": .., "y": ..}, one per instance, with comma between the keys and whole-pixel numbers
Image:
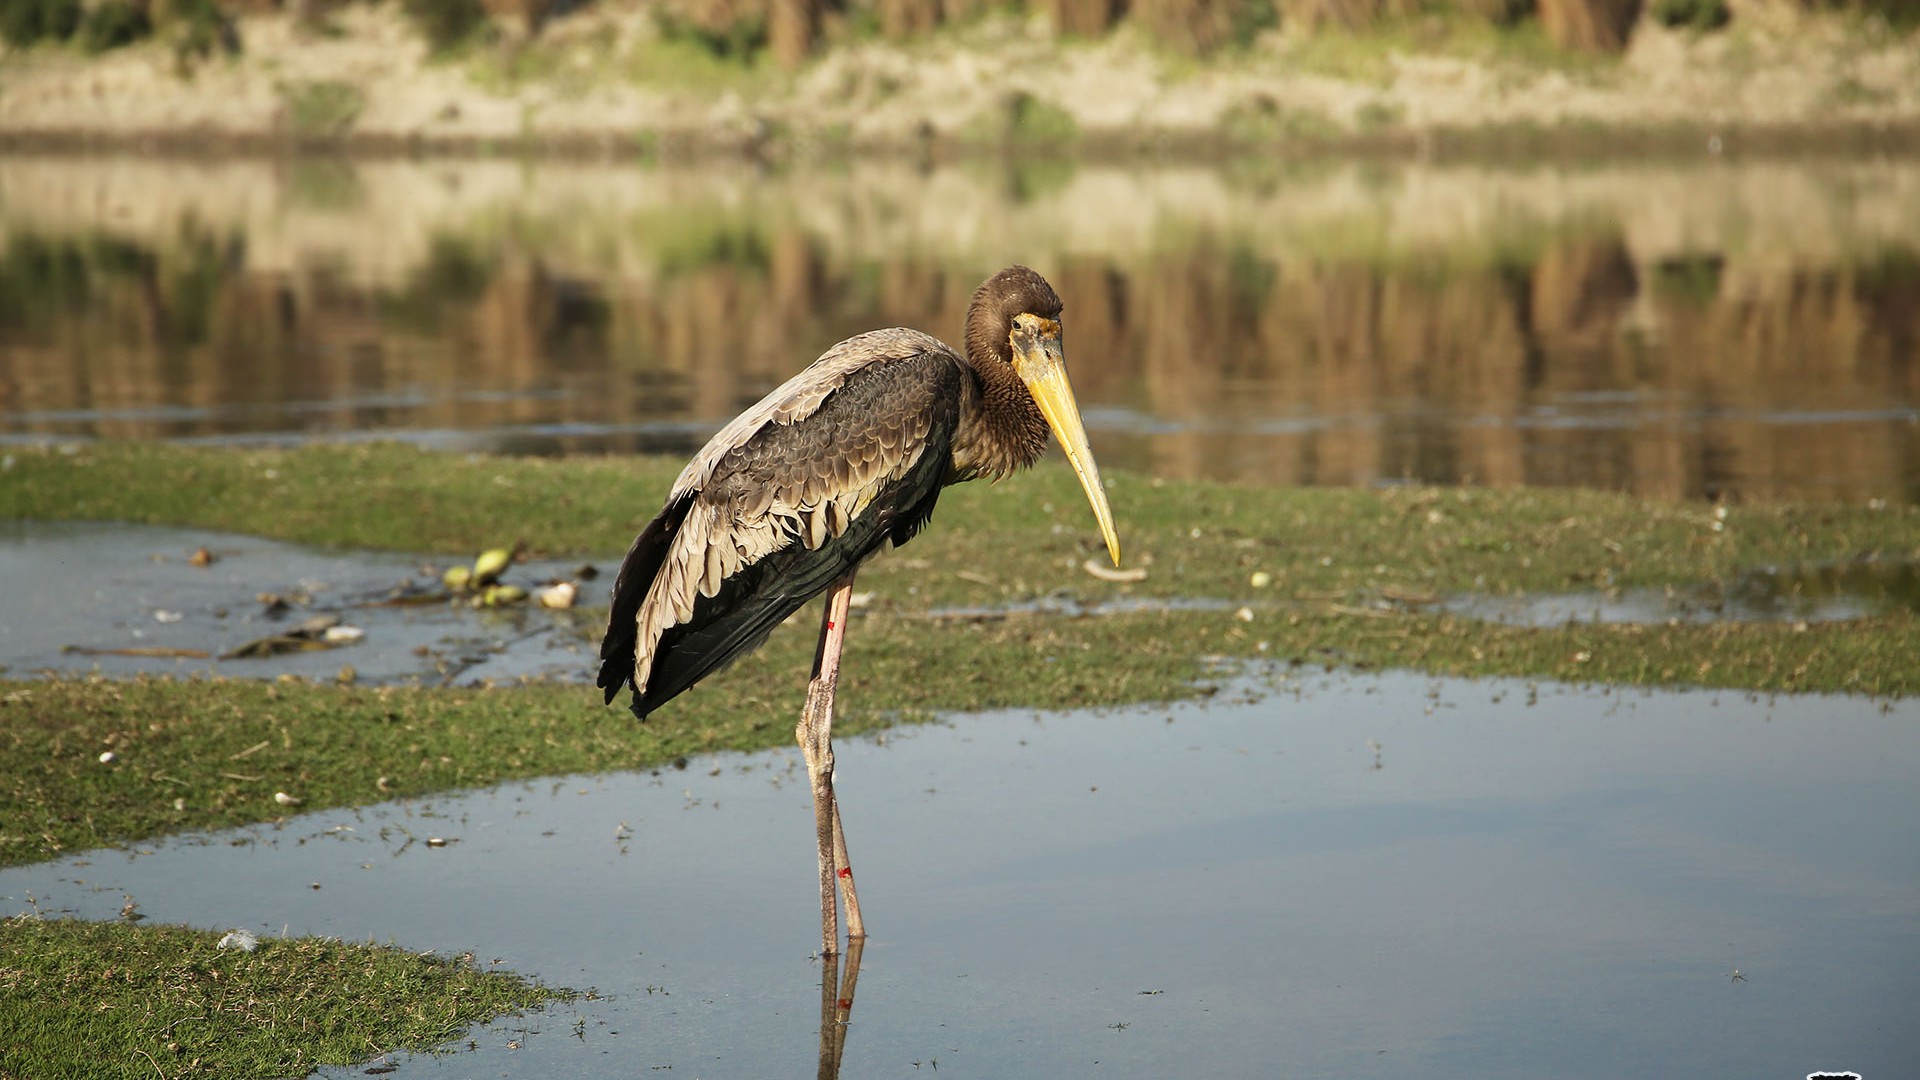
[
  {"x": 1196, "y": 27},
  {"x": 1082, "y": 18},
  {"x": 792, "y": 26},
  {"x": 1589, "y": 25},
  {"x": 905, "y": 18}
]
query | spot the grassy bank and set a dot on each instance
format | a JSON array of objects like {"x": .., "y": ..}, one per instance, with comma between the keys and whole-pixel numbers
[
  {"x": 989, "y": 544},
  {"x": 1310, "y": 577},
  {"x": 104, "y": 1001}
]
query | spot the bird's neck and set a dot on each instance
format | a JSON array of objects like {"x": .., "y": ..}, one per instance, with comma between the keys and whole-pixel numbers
[{"x": 1006, "y": 432}]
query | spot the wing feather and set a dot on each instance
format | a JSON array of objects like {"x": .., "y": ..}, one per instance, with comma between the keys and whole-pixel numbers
[
  {"x": 801, "y": 396},
  {"x": 789, "y": 497}
]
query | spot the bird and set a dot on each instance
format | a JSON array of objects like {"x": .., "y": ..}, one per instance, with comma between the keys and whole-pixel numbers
[{"x": 840, "y": 461}]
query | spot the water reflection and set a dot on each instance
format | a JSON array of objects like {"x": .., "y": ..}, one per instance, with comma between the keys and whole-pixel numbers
[
  {"x": 1674, "y": 330},
  {"x": 836, "y": 1007}
]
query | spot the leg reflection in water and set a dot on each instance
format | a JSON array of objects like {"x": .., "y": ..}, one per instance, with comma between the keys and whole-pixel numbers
[{"x": 836, "y": 1005}]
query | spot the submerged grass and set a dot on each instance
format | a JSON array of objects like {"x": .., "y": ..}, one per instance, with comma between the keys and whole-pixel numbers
[
  {"x": 1329, "y": 578},
  {"x": 101, "y": 1001}
]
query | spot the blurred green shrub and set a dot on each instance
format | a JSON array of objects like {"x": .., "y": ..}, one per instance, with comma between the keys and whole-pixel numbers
[
  {"x": 724, "y": 29},
  {"x": 24, "y": 22},
  {"x": 447, "y": 24},
  {"x": 198, "y": 29},
  {"x": 322, "y": 110},
  {"x": 1698, "y": 14},
  {"x": 112, "y": 24}
]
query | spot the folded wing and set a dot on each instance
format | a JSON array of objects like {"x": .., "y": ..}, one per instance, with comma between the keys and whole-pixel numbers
[{"x": 845, "y": 457}]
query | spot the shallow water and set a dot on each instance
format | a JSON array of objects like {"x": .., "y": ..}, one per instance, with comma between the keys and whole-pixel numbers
[
  {"x": 97, "y": 590},
  {"x": 1380, "y": 876},
  {"x": 1800, "y": 594}
]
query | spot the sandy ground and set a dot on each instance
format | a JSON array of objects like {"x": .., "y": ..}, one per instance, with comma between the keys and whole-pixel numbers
[{"x": 602, "y": 76}]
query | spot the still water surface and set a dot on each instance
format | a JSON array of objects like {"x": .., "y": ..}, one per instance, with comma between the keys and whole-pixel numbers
[
  {"x": 1306, "y": 875},
  {"x": 117, "y": 600},
  {"x": 1679, "y": 330}
]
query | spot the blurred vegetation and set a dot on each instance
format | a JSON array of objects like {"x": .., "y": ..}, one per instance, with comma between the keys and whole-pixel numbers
[
  {"x": 113, "y": 24},
  {"x": 1024, "y": 121},
  {"x": 195, "y": 30},
  {"x": 741, "y": 31},
  {"x": 1203, "y": 27},
  {"x": 727, "y": 31},
  {"x": 25, "y": 22},
  {"x": 321, "y": 110},
  {"x": 447, "y": 24},
  {"x": 1698, "y": 14},
  {"x": 1898, "y": 14}
]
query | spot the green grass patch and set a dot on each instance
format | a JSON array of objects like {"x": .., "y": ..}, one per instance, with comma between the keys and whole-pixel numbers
[
  {"x": 196, "y": 755},
  {"x": 107, "y": 1001},
  {"x": 989, "y": 543}
]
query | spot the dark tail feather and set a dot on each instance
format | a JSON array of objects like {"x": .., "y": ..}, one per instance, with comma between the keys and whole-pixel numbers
[{"x": 637, "y": 572}]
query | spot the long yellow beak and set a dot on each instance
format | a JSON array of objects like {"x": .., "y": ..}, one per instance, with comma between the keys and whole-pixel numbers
[{"x": 1042, "y": 366}]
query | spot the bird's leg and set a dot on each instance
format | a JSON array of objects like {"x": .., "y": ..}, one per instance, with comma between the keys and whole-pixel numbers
[
  {"x": 819, "y": 755},
  {"x": 856, "y": 928},
  {"x": 815, "y": 736}
]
